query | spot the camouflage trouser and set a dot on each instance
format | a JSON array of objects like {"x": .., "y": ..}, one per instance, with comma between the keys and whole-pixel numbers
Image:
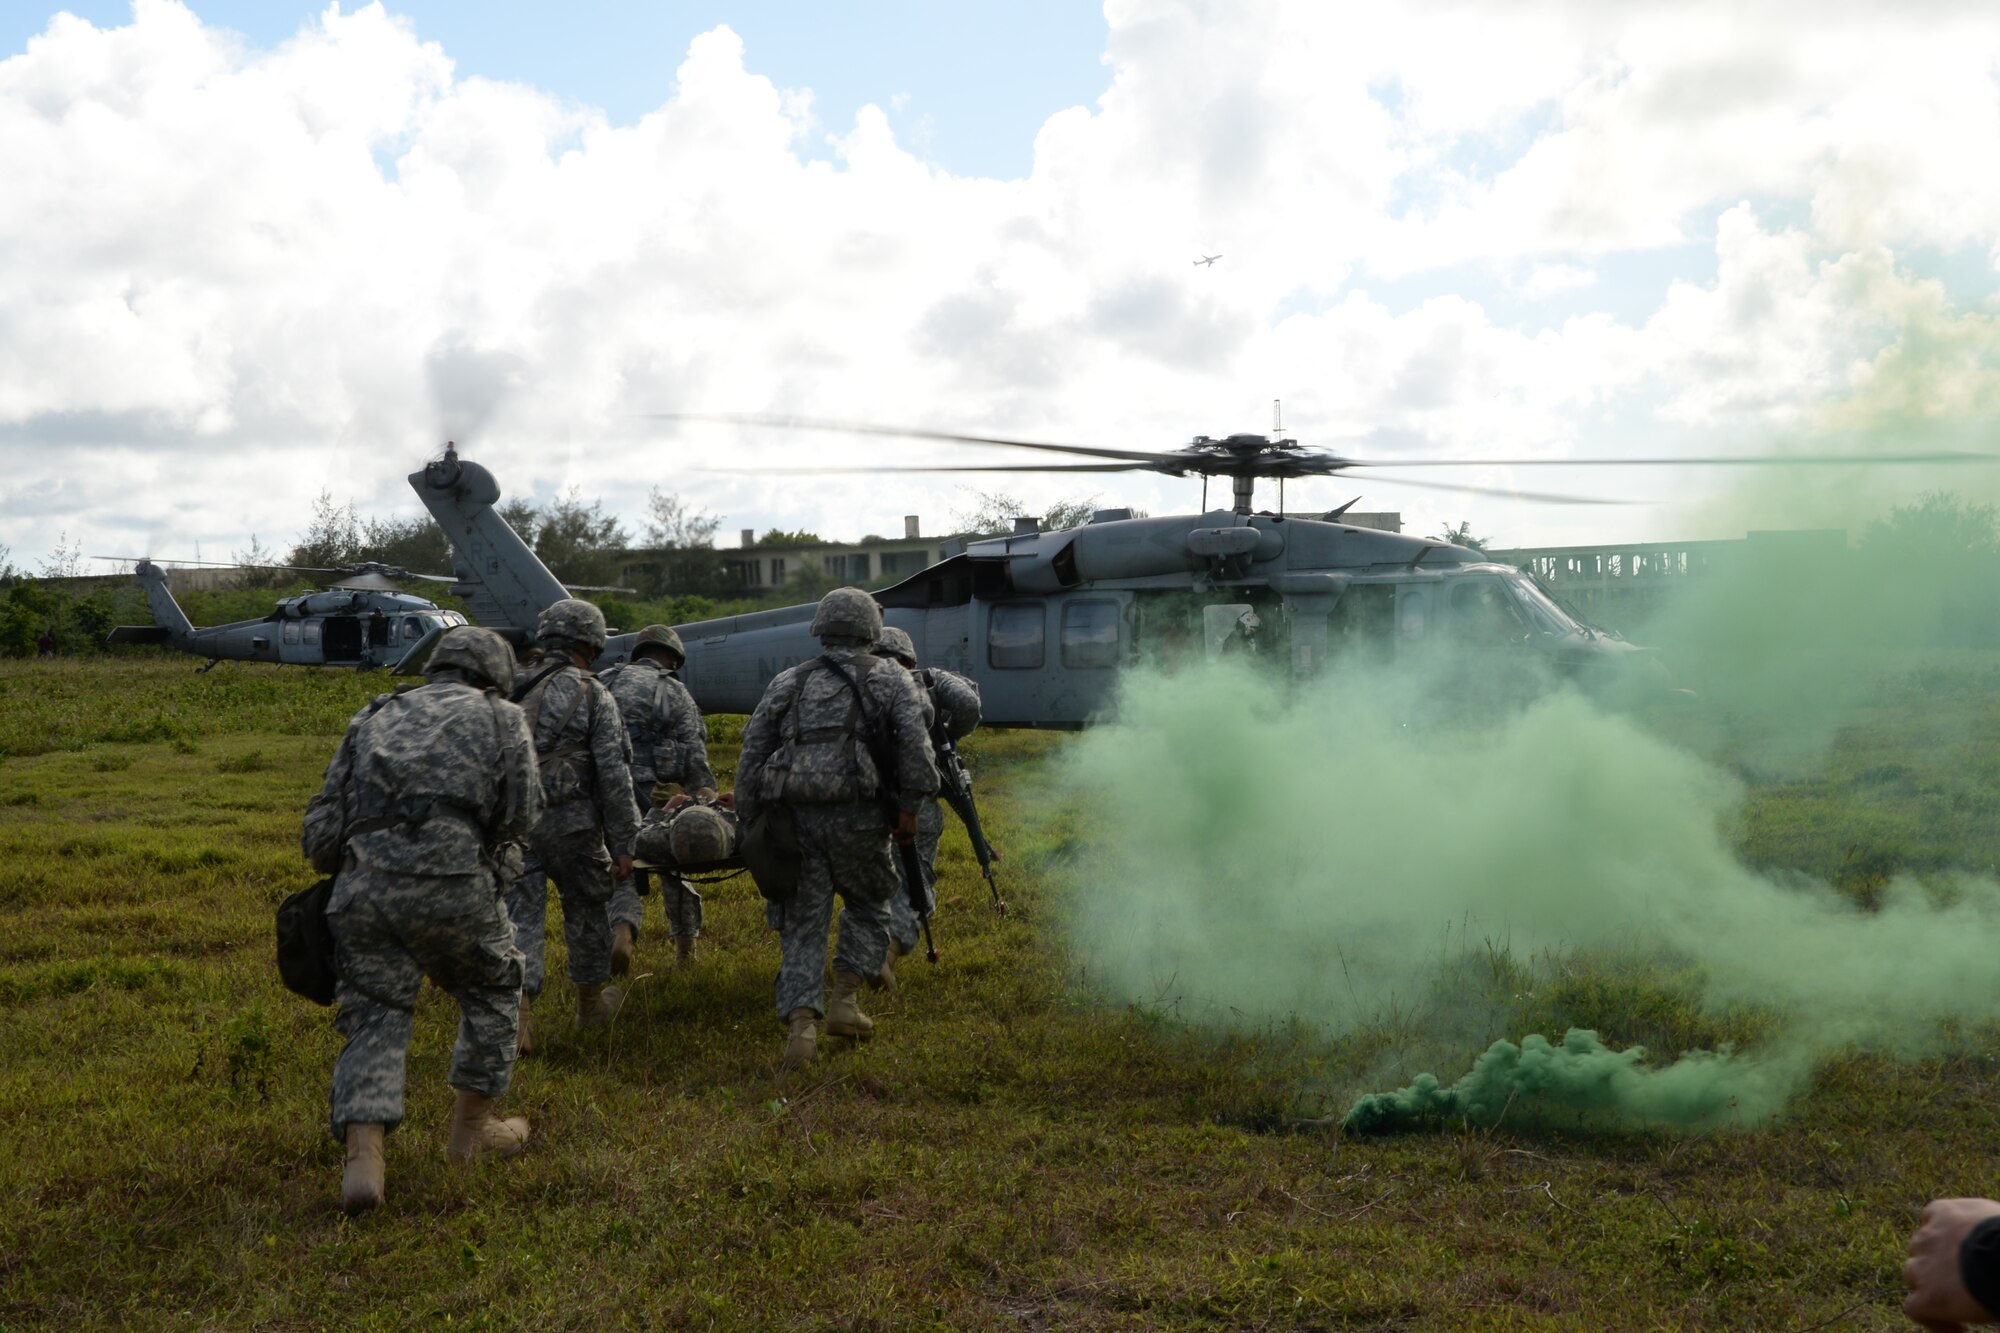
[
  {"x": 904, "y": 927},
  {"x": 391, "y": 931},
  {"x": 581, "y": 868},
  {"x": 847, "y": 852},
  {"x": 683, "y": 904}
]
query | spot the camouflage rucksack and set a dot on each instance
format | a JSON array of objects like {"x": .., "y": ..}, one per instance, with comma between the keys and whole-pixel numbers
[{"x": 823, "y": 755}]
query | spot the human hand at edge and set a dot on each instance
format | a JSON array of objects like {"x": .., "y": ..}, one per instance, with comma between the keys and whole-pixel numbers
[{"x": 1938, "y": 1299}]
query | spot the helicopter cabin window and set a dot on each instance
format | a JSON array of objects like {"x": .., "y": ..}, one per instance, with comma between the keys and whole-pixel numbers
[
  {"x": 1413, "y": 602},
  {"x": 1362, "y": 626},
  {"x": 310, "y": 633},
  {"x": 291, "y": 631},
  {"x": 1230, "y": 628},
  {"x": 1090, "y": 635},
  {"x": 1015, "y": 637},
  {"x": 413, "y": 628}
]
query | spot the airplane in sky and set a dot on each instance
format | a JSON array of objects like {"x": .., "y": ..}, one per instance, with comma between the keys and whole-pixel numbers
[{"x": 1207, "y": 259}]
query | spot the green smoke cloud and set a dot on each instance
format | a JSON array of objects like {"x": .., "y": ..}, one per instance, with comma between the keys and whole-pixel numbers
[
  {"x": 1539, "y": 1082},
  {"x": 1328, "y": 855}
]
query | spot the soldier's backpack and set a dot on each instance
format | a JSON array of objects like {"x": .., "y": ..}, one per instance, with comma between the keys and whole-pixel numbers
[
  {"x": 306, "y": 956},
  {"x": 568, "y": 771},
  {"x": 825, "y": 751}
]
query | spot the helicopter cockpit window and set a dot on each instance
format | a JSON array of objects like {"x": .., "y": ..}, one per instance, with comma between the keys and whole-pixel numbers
[
  {"x": 413, "y": 628},
  {"x": 1483, "y": 612},
  {"x": 1542, "y": 613},
  {"x": 1090, "y": 634},
  {"x": 1015, "y": 638},
  {"x": 291, "y": 631},
  {"x": 311, "y": 632}
]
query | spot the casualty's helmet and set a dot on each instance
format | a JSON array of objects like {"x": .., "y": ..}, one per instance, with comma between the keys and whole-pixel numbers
[
  {"x": 847, "y": 613},
  {"x": 1249, "y": 622},
  {"x": 896, "y": 643},
  {"x": 700, "y": 834},
  {"x": 480, "y": 655},
  {"x": 660, "y": 636},
  {"x": 572, "y": 619}
]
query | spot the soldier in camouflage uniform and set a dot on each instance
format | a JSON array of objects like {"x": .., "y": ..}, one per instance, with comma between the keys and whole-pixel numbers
[
  {"x": 954, "y": 698},
  {"x": 584, "y": 838},
  {"x": 669, "y": 744},
  {"x": 808, "y": 747},
  {"x": 427, "y": 790}
]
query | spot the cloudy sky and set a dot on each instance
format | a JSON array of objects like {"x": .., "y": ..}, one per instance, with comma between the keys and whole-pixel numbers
[{"x": 251, "y": 252}]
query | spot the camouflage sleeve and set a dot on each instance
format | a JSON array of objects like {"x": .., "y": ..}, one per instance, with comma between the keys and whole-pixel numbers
[
  {"x": 611, "y": 757},
  {"x": 327, "y": 815},
  {"x": 760, "y": 740},
  {"x": 520, "y": 788},
  {"x": 959, "y": 697},
  {"x": 689, "y": 739},
  {"x": 897, "y": 692}
]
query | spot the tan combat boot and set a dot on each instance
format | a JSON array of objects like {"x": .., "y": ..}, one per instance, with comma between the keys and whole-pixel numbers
[
  {"x": 597, "y": 1005},
  {"x": 886, "y": 978},
  {"x": 476, "y": 1131},
  {"x": 623, "y": 941},
  {"x": 683, "y": 951},
  {"x": 843, "y": 1012},
  {"x": 361, "y": 1177},
  {"x": 525, "y": 1045},
  {"x": 803, "y": 1042}
]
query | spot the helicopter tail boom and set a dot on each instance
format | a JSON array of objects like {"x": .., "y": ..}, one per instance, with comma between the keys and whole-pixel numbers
[{"x": 167, "y": 614}]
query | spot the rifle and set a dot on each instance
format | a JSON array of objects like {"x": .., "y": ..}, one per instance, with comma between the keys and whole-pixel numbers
[{"x": 955, "y": 786}]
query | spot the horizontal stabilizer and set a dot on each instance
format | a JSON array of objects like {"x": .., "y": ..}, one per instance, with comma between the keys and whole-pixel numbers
[{"x": 130, "y": 634}]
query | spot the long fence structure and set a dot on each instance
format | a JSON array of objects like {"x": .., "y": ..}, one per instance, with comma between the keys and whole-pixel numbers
[{"x": 1626, "y": 585}]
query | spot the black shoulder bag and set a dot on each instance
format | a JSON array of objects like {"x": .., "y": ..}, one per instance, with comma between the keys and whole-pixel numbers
[{"x": 305, "y": 944}]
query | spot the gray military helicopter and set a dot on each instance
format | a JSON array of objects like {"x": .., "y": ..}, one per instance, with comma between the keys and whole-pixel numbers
[
  {"x": 1045, "y": 621},
  {"x": 363, "y": 621}
]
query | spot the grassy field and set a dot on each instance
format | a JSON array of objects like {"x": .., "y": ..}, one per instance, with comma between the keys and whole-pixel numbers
[{"x": 1010, "y": 1152}]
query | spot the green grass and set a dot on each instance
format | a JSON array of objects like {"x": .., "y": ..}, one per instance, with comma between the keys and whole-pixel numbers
[{"x": 1010, "y": 1152}]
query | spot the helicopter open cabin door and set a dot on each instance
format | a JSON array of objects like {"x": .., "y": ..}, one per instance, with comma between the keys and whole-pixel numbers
[{"x": 1052, "y": 661}]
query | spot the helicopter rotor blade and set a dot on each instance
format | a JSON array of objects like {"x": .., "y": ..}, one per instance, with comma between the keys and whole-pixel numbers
[
  {"x": 1540, "y": 497},
  {"x": 1713, "y": 460},
  {"x": 218, "y": 564},
  {"x": 957, "y": 467},
  {"x": 910, "y": 433}
]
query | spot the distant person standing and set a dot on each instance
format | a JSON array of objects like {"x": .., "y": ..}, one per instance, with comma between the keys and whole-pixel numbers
[
  {"x": 951, "y": 705},
  {"x": 812, "y": 746},
  {"x": 669, "y": 745},
  {"x": 45, "y": 644},
  {"x": 427, "y": 788},
  {"x": 589, "y": 819}
]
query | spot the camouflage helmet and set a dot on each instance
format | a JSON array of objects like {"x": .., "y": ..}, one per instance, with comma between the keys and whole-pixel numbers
[
  {"x": 700, "y": 834},
  {"x": 660, "y": 636},
  {"x": 896, "y": 643},
  {"x": 479, "y": 654},
  {"x": 847, "y": 613},
  {"x": 572, "y": 619}
]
